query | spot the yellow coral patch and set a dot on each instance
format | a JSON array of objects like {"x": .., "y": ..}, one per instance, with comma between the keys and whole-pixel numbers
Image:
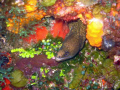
[
  {"x": 95, "y": 24},
  {"x": 32, "y": 2},
  {"x": 30, "y": 8},
  {"x": 31, "y": 5},
  {"x": 95, "y": 32},
  {"x": 94, "y": 41}
]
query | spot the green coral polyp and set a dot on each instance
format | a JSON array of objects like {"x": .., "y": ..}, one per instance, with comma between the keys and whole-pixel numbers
[{"x": 47, "y": 2}]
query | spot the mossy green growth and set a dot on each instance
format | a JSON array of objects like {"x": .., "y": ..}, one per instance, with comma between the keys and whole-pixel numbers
[
  {"x": 47, "y": 2},
  {"x": 109, "y": 71},
  {"x": 81, "y": 72},
  {"x": 117, "y": 85},
  {"x": 69, "y": 2},
  {"x": 97, "y": 9},
  {"x": 26, "y": 53},
  {"x": 50, "y": 47},
  {"x": 47, "y": 79},
  {"x": 77, "y": 78},
  {"x": 47, "y": 47},
  {"x": 85, "y": 71},
  {"x": 18, "y": 78}
]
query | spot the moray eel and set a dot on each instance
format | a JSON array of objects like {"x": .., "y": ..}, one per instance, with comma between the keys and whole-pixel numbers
[{"x": 73, "y": 42}]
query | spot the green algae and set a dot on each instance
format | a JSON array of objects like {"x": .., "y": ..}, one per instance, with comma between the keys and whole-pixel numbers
[
  {"x": 99, "y": 11},
  {"x": 69, "y": 2},
  {"x": 117, "y": 85},
  {"x": 47, "y": 3},
  {"x": 109, "y": 71},
  {"x": 77, "y": 78},
  {"x": 18, "y": 79},
  {"x": 47, "y": 47}
]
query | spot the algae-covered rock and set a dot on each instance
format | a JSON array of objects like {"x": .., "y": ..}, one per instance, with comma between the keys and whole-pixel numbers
[
  {"x": 109, "y": 71},
  {"x": 108, "y": 63},
  {"x": 18, "y": 79},
  {"x": 100, "y": 11},
  {"x": 69, "y": 2},
  {"x": 117, "y": 85},
  {"x": 77, "y": 78},
  {"x": 47, "y": 2},
  {"x": 89, "y": 2}
]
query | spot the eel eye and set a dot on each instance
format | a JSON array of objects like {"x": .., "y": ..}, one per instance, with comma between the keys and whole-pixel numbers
[{"x": 66, "y": 53}]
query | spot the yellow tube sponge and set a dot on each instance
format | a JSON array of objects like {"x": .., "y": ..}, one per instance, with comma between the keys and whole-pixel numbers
[{"x": 95, "y": 32}]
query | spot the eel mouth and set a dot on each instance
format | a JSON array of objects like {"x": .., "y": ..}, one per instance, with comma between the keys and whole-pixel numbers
[{"x": 62, "y": 59}]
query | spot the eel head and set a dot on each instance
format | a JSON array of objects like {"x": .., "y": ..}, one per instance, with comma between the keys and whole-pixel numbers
[{"x": 62, "y": 55}]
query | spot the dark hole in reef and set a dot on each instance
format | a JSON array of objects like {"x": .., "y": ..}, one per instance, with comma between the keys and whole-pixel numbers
[{"x": 3, "y": 60}]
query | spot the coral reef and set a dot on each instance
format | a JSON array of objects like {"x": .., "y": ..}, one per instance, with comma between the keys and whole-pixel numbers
[
  {"x": 59, "y": 28},
  {"x": 34, "y": 30},
  {"x": 5, "y": 85},
  {"x": 67, "y": 13},
  {"x": 111, "y": 29},
  {"x": 31, "y": 5},
  {"x": 92, "y": 69}
]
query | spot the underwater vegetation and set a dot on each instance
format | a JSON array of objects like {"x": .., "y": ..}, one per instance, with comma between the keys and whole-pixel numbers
[
  {"x": 100, "y": 11},
  {"x": 47, "y": 2},
  {"x": 88, "y": 65},
  {"x": 5, "y": 72},
  {"x": 69, "y": 2},
  {"x": 47, "y": 47},
  {"x": 18, "y": 79},
  {"x": 93, "y": 67}
]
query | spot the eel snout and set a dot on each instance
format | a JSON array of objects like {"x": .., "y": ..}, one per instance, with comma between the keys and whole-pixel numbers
[{"x": 62, "y": 55}]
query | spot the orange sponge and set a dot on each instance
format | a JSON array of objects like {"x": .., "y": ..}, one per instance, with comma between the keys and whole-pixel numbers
[{"x": 95, "y": 32}]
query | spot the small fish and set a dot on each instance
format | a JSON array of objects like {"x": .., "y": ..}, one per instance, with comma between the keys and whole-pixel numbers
[{"x": 73, "y": 42}]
